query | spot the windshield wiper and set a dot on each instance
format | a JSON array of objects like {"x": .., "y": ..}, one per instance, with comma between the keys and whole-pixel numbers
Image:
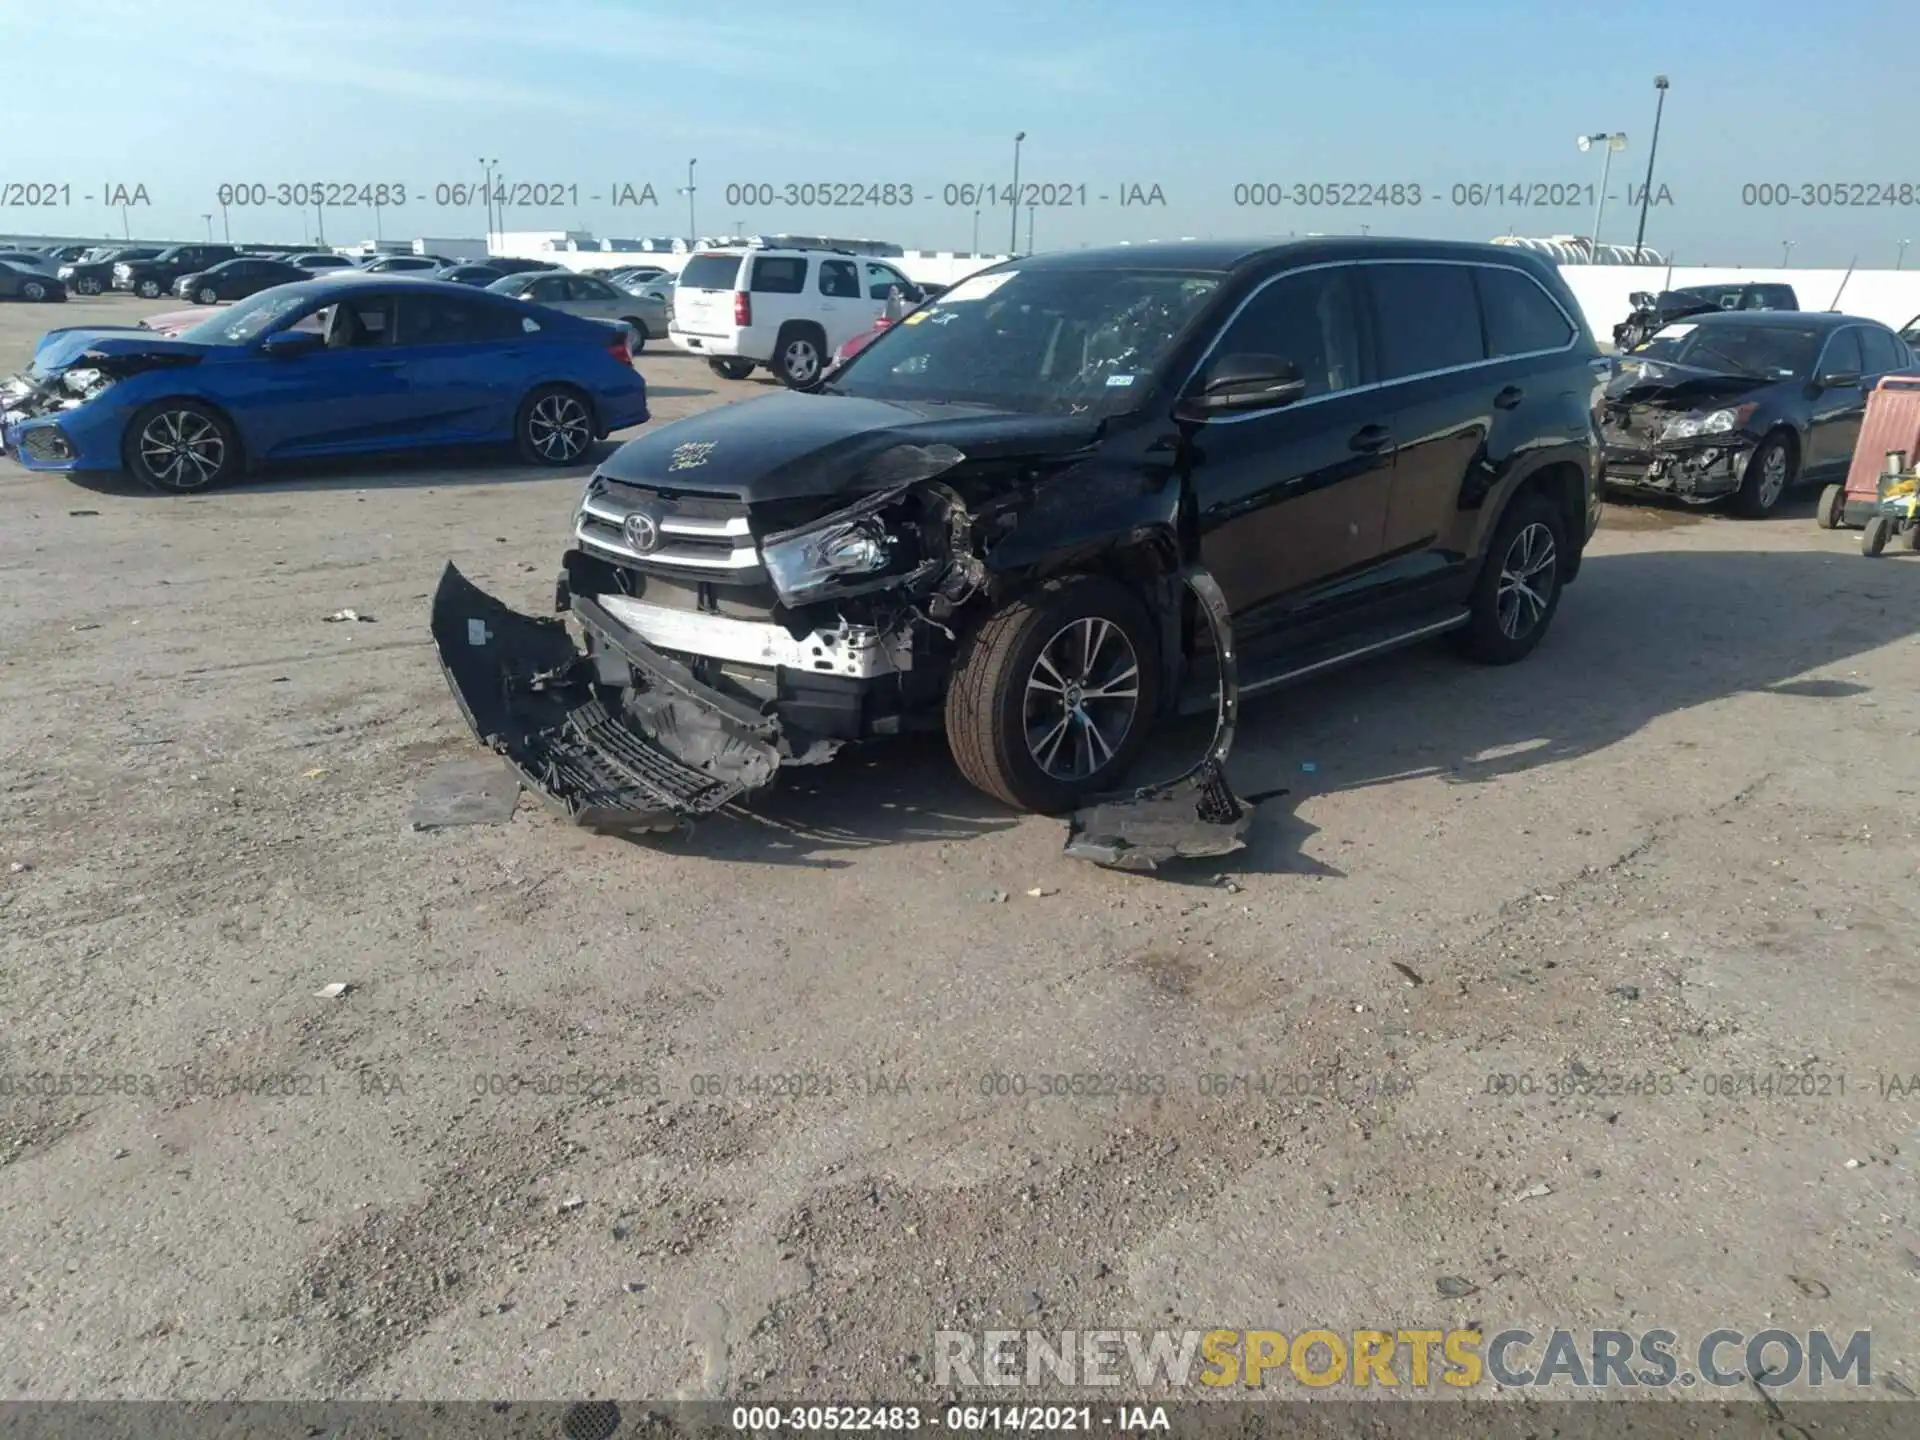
[{"x": 1738, "y": 368}]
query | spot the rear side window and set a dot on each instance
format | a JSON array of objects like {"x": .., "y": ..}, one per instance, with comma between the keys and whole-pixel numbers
[
  {"x": 1521, "y": 318},
  {"x": 839, "y": 279},
  {"x": 779, "y": 275},
  {"x": 711, "y": 272},
  {"x": 1880, "y": 351},
  {"x": 1428, "y": 318},
  {"x": 451, "y": 320}
]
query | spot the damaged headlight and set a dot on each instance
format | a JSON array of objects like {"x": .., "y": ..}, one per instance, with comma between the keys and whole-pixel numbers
[
  {"x": 805, "y": 567},
  {"x": 1715, "y": 422}
]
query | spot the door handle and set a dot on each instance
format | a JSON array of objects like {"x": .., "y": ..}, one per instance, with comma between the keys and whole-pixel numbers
[
  {"x": 1371, "y": 437},
  {"x": 1510, "y": 397}
]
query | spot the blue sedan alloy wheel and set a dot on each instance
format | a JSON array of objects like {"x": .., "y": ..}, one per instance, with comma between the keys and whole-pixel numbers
[
  {"x": 179, "y": 447},
  {"x": 556, "y": 427}
]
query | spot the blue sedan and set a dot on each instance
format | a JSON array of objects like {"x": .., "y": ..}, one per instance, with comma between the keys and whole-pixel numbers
[{"x": 324, "y": 367}]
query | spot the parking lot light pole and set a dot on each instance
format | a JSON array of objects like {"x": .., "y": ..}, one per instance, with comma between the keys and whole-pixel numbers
[
  {"x": 693, "y": 228},
  {"x": 1013, "y": 235},
  {"x": 226, "y": 230},
  {"x": 320, "y": 222},
  {"x": 486, "y": 194},
  {"x": 209, "y": 220},
  {"x": 976, "y": 232},
  {"x": 1612, "y": 142},
  {"x": 1786, "y": 253},
  {"x": 1030, "y": 213},
  {"x": 126, "y": 225},
  {"x": 1646, "y": 191},
  {"x": 1900, "y": 260}
]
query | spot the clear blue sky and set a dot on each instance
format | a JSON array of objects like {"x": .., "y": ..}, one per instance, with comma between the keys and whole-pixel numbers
[{"x": 182, "y": 96}]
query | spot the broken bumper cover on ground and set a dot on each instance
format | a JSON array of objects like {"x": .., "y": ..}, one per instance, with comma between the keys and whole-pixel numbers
[
  {"x": 666, "y": 750},
  {"x": 1194, "y": 815}
]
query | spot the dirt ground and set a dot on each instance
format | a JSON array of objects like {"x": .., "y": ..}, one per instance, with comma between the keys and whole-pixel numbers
[{"x": 1671, "y": 855}]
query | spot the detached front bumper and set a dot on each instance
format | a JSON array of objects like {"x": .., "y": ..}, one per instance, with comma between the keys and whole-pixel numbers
[
  {"x": 1696, "y": 473},
  {"x": 663, "y": 749}
]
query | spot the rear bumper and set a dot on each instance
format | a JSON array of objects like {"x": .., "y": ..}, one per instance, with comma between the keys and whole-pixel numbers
[{"x": 721, "y": 345}]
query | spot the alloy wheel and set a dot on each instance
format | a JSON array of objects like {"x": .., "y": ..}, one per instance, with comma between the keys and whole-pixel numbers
[
  {"x": 182, "y": 450},
  {"x": 1773, "y": 476},
  {"x": 34, "y": 290},
  {"x": 558, "y": 428},
  {"x": 802, "y": 360},
  {"x": 1082, "y": 695},
  {"x": 1527, "y": 574}
]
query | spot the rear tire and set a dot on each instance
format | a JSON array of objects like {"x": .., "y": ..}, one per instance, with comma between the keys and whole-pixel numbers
[
  {"x": 799, "y": 356},
  {"x": 86, "y": 287},
  {"x": 1518, "y": 591},
  {"x": 181, "y": 447},
  {"x": 1833, "y": 505},
  {"x": 1770, "y": 475},
  {"x": 730, "y": 369},
  {"x": 554, "y": 426},
  {"x": 1873, "y": 539},
  {"x": 1030, "y": 718},
  {"x": 636, "y": 334}
]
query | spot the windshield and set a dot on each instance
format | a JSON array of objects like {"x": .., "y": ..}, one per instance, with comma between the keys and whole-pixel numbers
[
  {"x": 1047, "y": 339},
  {"x": 1769, "y": 352},
  {"x": 237, "y": 324}
]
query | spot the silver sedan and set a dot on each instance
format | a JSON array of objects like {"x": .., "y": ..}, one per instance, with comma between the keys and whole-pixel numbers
[{"x": 589, "y": 296}]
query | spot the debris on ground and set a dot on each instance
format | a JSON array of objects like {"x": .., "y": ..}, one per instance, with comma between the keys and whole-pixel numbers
[
  {"x": 1414, "y": 977},
  {"x": 988, "y": 896},
  {"x": 90, "y": 625},
  {"x": 1626, "y": 992},
  {"x": 83, "y": 512},
  {"x": 1455, "y": 1287},
  {"x": 340, "y": 615},
  {"x": 571, "y": 1204},
  {"x": 19, "y": 867},
  {"x": 313, "y": 774},
  {"x": 466, "y": 792},
  {"x": 1040, "y": 892},
  {"x": 1813, "y": 1289},
  {"x": 1532, "y": 1192},
  {"x": 334, "y": 991}
]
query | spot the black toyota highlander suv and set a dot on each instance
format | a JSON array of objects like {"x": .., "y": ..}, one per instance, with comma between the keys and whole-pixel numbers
[{"x": 1005, "y": 518}]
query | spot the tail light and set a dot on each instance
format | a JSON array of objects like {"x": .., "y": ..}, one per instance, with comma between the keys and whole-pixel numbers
[
  {"x": 619, "y": 349},
  {"x": 742, "y": 308}
]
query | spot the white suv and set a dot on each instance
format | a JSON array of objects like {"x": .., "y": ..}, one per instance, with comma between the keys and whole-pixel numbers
[{"x": 786, "y": 309}]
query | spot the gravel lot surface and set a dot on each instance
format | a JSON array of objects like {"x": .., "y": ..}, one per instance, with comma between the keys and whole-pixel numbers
[{"x": 1663, "y": 873}]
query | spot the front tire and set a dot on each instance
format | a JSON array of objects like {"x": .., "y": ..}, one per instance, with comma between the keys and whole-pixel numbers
[
  {"x": 1770, "y": 474},
  {"x": 1052, "y": 696},
  {"x": 730, "y": 369},
  {"x": 799, "y": 356},
  {"x": 181, "y": 447},
  {"x": 1518, "y": 591},
  {"x": 208, "y": 295},
  {"x": 148, "y": 289},
  {"x": 1873, "y": 539},
  {"x": 1833, "y": 507},
  {"x": 554, "y": 426},
  {"x": 33, "y": 290}
]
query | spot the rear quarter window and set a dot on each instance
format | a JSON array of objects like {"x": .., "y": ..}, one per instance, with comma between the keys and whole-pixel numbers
[
  {"x": 779, "y": 275},
  {"x": 711, "y": 272}
]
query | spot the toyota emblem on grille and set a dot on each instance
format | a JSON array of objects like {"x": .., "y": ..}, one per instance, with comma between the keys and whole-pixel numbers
[{"x": 642, "y": 532}]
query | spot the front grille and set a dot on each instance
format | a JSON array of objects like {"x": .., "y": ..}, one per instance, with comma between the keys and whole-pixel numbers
[
  {"x": 698, "y": 535},
  {"x": 46, "y": 443}
]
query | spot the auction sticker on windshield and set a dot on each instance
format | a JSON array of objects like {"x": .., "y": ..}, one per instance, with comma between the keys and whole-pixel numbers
[
  {"x": 977, "y": 287},
  {"x": 1674, "y": 332}
]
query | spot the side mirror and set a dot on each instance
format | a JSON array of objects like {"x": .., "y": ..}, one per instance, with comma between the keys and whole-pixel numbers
[
  {"x": 1838, "y": 380},
  {"x": 1248, "y": 382},
  {"x": 896, "y": 304},
  {"x": 286, "y": 344},
  {"x": 1641, "y": 300}
]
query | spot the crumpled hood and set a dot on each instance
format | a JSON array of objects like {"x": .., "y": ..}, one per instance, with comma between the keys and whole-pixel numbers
[
  {"x": 796, "y": 446},
  {"x": 1664, "y": 384},
  {"x": 60, "y": 348}
]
